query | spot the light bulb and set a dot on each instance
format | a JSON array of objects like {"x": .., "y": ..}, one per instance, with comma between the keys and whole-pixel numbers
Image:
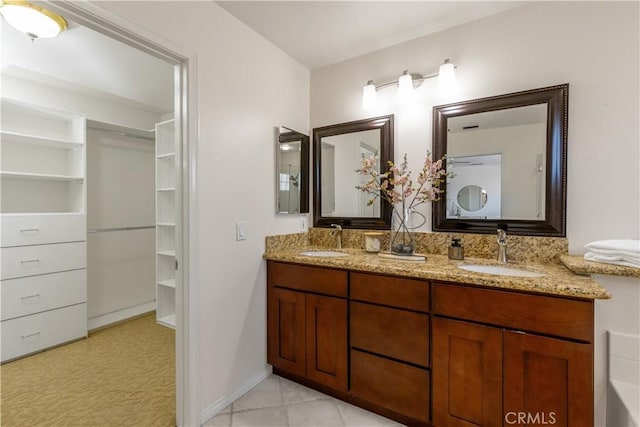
[
  {"x": 369, "y": 96},
  {"x": 447, "y": 77},
  {"x": 405, "y": 87}
]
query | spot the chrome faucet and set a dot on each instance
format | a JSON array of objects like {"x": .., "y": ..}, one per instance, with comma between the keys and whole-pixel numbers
[
  {"x": 337, "y": 233},
  {"x": 502, "y": 246}
]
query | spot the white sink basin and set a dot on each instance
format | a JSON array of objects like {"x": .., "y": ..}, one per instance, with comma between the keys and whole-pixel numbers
[
  {"x": 323, "y": 253},
  {"x": 499, "y": 270}
]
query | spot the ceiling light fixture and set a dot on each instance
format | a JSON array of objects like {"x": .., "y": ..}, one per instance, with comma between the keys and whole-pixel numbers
[
  {"x": 407, "y": 82},
  {"x": 32, "y": 20}
]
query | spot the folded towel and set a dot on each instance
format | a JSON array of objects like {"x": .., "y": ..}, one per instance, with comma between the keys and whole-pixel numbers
[
  {"x": 617, "y": 254},
  {"x": 625, "y": 245},
  {"x": 616, "y": 260}
]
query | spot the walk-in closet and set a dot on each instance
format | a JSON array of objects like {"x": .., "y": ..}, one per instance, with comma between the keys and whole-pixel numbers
[{"x": 87, "y": 190}]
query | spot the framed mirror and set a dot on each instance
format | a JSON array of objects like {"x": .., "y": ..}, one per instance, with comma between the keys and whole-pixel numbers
[
  {"x": 513, "y": 147},
  {"x": 337, "y": 153},
  {"x": 292, "y": 171}
]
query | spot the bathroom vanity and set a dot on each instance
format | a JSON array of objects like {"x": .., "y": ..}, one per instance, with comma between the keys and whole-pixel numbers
[{"x": 432, "y": 344}]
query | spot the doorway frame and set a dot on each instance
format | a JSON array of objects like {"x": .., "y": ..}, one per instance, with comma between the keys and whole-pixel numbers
[{"x": 187, "y": 332}]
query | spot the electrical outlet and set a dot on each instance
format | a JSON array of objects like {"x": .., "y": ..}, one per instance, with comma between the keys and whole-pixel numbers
[
  {"x": 303, "y": 225},
  {"x": 240, "y": 231}
]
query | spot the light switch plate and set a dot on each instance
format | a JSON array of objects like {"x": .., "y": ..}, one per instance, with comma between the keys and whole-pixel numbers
[{"x": 240, "y": 231}]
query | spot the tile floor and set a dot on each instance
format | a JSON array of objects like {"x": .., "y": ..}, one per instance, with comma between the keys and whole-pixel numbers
[{"x": 279, "y": 402}]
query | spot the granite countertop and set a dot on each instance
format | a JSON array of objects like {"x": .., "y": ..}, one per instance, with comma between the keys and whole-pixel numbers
[
  {"x": 579, "y": 265},
  {"x": 558, "y": 280}
]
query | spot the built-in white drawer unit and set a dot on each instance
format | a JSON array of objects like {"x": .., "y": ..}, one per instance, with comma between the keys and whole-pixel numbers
[
  {"x": 38, "y": 229},
  {"x": 23, "y": 261},
  {"x": 28, "y": 334},
  {"x": 29, "y": 295}
]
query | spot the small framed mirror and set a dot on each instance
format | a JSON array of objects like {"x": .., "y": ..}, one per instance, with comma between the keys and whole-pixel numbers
[
  {"x": 337, "y": 154},
  {"x": 292, "y": 171},
  {"x": 514, "y": 148}
]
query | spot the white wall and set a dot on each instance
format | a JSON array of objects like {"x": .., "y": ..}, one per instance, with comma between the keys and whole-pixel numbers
[
  {"x": 120, "y": 193},
  {"x": 108, "y": 110},
  {"x": 245, "y": 87},
  {"x": 594, "y": 46}
]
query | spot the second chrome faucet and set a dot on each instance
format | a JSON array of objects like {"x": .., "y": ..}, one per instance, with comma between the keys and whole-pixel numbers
[{"x": 502, "y": 246}]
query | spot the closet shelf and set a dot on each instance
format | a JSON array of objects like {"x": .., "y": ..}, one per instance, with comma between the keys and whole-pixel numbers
[
  {"x": 170, "y": 283},
  {"x": 165, "y": 223},
  {"x": 23, "y": 138},
  {"x": 40, "y": 176},
  {"x": 169, "y": 320}
]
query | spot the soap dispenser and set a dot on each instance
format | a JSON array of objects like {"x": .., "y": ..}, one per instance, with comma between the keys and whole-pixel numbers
[{"x": 456, "y": 251}]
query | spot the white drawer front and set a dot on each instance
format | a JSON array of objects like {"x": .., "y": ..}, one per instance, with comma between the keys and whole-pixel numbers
[
  {"x": 28, "y": 334},
  {"x": 21, "y": 230},
  {"x": 29, "y": 295},
  {"x": 23, "y": 261}
]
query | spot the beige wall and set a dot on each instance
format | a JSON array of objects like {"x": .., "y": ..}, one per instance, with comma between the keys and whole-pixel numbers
[
  {"x": 245, "y": 87},
  {"x": 591, "y": 45}
]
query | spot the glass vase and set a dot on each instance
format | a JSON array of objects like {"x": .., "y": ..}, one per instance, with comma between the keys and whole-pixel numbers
[{"x": 402, "y": 239}]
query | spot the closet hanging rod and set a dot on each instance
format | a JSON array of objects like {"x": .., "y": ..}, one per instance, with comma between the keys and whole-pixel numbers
[{"x": 104, "y": 230}]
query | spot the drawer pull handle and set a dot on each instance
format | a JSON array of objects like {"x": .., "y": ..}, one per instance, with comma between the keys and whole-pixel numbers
[
  {"x": 29, "y": 230},
  {"x": 30, "y": 335},
  {"x": 27, "y": 261},
  {"x": 30, "y": 296}
]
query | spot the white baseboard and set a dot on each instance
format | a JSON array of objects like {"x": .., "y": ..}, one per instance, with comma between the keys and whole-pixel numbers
[
  {"x": 120, "y": 315},
  {"x": 215, "y": 408}
]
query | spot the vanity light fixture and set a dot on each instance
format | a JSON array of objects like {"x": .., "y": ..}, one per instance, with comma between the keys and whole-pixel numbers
[
  {"x": 407, "y": 82},
  {"x": 32, "y": 20}
]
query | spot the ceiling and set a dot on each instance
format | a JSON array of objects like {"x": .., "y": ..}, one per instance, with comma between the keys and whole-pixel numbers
[
  {"x": 315, "y": 33},
  {"x": 320, "y": 33},
  {"x": 85, "y": 61}
]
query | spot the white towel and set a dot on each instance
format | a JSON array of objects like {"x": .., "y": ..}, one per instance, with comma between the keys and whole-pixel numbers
[
  {"x": 608, "y": 259},
  {"x": 620, "y": 245},
  {"x": 616, "y": 254}
]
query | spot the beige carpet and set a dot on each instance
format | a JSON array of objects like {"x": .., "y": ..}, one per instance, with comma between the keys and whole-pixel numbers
[{"x": 119, "y": 376}]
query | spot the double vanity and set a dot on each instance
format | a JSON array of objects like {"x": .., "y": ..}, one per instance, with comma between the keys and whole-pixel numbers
[{"x": 439, "y": 342}]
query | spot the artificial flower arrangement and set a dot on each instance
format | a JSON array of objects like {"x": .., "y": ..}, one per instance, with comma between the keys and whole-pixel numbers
[{"x": 397, "y": 188}]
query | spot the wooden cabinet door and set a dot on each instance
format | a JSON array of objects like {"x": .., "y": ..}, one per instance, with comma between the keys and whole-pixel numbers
[
  {"x": 286, "y": 330},
  {"x": 467, "y": 374},
  {"x": 327, "y": 341},
  {"x": 547, "y": 381}
]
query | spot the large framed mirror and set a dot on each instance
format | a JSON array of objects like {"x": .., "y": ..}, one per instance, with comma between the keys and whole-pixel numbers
[
  {"x": 292, "y": 176},
  {"x": 338, "y": 151},
  {"x": 507, "y": 163}
]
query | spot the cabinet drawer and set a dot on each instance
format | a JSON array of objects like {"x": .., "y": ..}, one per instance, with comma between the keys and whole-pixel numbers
[
  {"x": 392, "y": 385},
  {"x": 312, "y": 279},
  {"x": 29, "y": 295},
  {"x": 23, "y": 261},
  {"x": 534, "y": 313},
  {"x": 21, "y": 230},
  {"x": 400, "y": 334},
  {"x": 394, "y": 291},
  {"x": 28, "y": 334}
]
